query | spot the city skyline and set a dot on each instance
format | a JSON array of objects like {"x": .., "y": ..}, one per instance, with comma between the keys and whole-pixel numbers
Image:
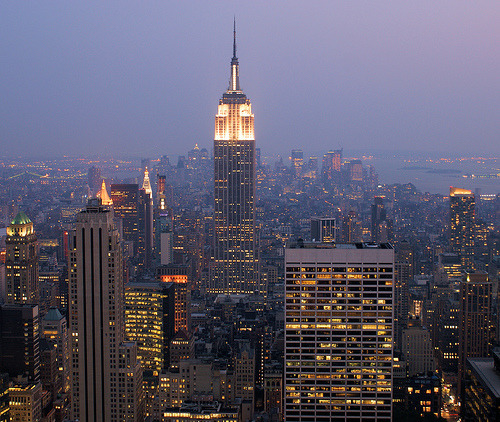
[{"x": 385, "y": 77}]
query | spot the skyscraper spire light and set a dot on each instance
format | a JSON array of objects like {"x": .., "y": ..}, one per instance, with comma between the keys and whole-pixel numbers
[{"x": 234, "y": 83}]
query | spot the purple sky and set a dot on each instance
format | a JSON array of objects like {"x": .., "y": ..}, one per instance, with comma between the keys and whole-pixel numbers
[{"x": 144, "y": 78}]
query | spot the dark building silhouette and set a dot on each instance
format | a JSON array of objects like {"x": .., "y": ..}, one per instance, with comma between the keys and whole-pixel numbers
[{"x": 19, "y": 341}]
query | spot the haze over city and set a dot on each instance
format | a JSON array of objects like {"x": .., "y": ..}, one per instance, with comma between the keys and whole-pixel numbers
[
  {"x": 249, "y": 211},
  {"x": 139, "y": 79}
]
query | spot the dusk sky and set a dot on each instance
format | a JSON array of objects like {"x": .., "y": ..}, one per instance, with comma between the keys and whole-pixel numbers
[{"x": 143, "y": 78}]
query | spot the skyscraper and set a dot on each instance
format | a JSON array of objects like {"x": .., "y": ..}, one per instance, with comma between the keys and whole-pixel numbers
[
  {"x": 106, "y": 375},
  {"x": 323, "y": 229},
  {"x": 381, "y": 225},
  {"x": 150, "y": 321},
  {"x": 462, "y": 224},
  {"x": 19, "y": 341},
  {"x": 235, "y": 265},
  {"x": 475, "y": 333},
  {"x": 135, "y": 208},
  {"x": 338, "y": 332},
  {"x": 21, "y": 261},
  {"x": 297, "y": 159}
]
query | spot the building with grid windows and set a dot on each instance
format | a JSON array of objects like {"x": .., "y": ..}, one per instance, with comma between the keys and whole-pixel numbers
[{"x": 339, "y": 332}]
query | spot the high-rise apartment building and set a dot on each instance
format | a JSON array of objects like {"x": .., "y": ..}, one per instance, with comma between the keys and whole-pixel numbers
[
  {"x": 462, "y": 225},
  {"x": 21, "y": 261},
  {"x": 323, "y": 229},
  {"x": 235, "y": 264},
  {"x": 475, "y": 329},
  {"x": 106, "y": 375},
  {"x": 339, "y": 332}
]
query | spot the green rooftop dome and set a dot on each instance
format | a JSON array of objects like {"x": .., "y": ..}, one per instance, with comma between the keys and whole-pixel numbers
[{"x": 21, "y": 218}]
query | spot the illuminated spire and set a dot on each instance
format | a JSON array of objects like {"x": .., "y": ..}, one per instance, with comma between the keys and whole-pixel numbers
[
  {"x": 146, "y": 184},
  {"x": 234, "y": 83},
  {"x": 103, "y": 194},
  {"x": 234, "y": 39}
]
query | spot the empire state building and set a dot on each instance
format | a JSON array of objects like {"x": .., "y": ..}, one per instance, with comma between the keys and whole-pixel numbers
[{"x": 235, "y": 266}]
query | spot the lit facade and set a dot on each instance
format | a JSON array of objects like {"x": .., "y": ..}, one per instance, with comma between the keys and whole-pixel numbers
[
  {"x": 149, "y": 321},
  {"x": 25, "y": 402},
  {"x": 235, "y": 265},
  {"x": 178, "y": 275},
  {"x": 462, "y": 225},
  {"x": 21, "y": 261},
  {"x": 338, "y": 332}
]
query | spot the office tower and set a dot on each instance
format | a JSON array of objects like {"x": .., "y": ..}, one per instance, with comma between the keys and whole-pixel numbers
[
  {"x": 332, "y": 165},
  {"x": 19, "y": 341},
  {"x": 125, "y": 199},
  {"x": 244, "y": 363},
  {"x": 462, "y": 225},
  {"x": 178, "y": 274},
  {"x": 21, "y": 261},
  {"x": 106, "y": 375},
  {"x": 235, "y": 265},
  {"x": 339, "y": 332},
  {"x": 417, "y": 350},
  {"x": 481, "y": 401},
  {"x": 94, "y": 179},
  {"x": 103, "y": 195},
  {"x": 404, "y": 273},
  {"x": 352, "y": 228},
  {"x": 134, "y": 207},
  {"x": 49, "y": 374},
  {"x": 150, "y": 322},
  {"x": 381, "y": 225},
  {"x": 297, "y": 160},
  {"x": 25, "y": 402},
  {"x": 164, "y": 227},
  {"x": 146, "y": 219},
  {"x": 354, "y": 171},
  {"x": 311, "y": 169},
  {"x": 475, "y": 332},
  {"x": 323, "y": 229},
  {"x": 55, "y": 328},
  {"x": 181, "y": 348}
]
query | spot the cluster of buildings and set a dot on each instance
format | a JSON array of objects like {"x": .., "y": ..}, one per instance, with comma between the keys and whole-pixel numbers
[{"x": 226, "y": 287}]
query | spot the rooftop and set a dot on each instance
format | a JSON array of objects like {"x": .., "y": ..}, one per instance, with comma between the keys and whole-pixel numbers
[
  {"x": 300, "y": 244},
  {"x": 21, "y": 218},
  {"x": 485, "y": 370}
]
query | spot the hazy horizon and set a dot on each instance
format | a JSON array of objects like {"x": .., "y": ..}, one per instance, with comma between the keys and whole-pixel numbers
[{"x": 144, "y": 79}]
